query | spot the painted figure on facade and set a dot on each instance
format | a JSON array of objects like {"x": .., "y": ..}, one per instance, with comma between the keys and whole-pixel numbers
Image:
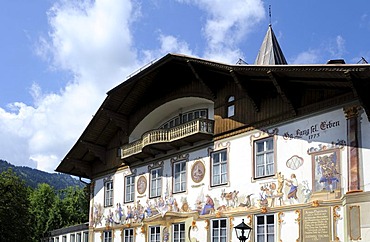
[
  {"x": 139, "y": 213},
  {"x": 293, "y": 184},
  {"x": 280, "y": 179},
  {"x": 328, "y": 170},
  {"x": 208, "y": 207},
  {"x": 263, "y": 197},
  {"x": 118, "y": 213},
  {"x": 98, "y": 214},
  {"x": 230, "y": 197},
  {"x": 109, "y": 218},
  {"x": 166, "y": 234},
  {"x": 129, "y": 215},
  {"x": 149, "y": 209},
  {"x": 248, "y": 201}
]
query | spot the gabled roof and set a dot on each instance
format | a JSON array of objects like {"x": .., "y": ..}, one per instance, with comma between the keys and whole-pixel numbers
[
  {"x": 270, "y": 52},
  {"x": 347, "y": 82}
]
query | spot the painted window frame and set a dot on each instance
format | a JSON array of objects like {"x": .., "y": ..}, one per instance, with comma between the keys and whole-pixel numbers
[
  {"x": 182, "y": 174},
  {"x": 265, "y": 230},
  {"x": 178, "y": 232},
  {"x": 221, "y": 166},
  {"x": 107, "y": 236},
  {"x": 129, "y": 189},
  {"x": 156, "y": 231},
  {"x": 108, "y": 193},
  {"x": 267, "y": 153},
  {"x": 156, "y": 182},
  {"x": 219, "y": 233},
  {"x": 128, "y": 235}
]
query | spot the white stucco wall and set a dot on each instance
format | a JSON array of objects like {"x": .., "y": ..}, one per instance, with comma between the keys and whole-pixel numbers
[{"x": 318, "y": 133}]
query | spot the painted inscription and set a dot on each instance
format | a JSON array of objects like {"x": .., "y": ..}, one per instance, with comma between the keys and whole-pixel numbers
[
  {"x": 313, "y": 131},
  {"x": 316, "y": 225}
]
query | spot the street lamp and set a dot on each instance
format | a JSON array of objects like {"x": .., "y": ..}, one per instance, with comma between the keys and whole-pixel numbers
[{"x": 242, "y": 229}]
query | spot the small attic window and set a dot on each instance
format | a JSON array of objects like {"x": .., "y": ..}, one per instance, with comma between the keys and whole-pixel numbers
[{"x": 230, "y": 106}]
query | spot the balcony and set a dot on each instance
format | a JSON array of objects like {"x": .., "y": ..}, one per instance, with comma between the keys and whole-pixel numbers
[{"x": 160, "y": 141}]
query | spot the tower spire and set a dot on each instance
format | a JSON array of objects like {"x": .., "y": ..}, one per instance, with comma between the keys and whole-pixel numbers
[{"x": 270, "y": 52}]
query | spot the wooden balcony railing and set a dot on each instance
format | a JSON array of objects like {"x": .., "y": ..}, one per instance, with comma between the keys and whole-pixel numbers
[{"x": 168, "y": 135}]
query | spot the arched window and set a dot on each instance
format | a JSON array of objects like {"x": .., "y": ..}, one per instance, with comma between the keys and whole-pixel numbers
[{"x": 230, "y": 106}]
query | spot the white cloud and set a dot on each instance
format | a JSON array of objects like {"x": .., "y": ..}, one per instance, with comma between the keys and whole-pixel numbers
[
  {"x": 337, "y": 49},
  {"x": 168, "y": 44},
  {"x": 227, "y": 24},
  {"x": 307, "y": 57},
  {"x": 92, "y": 40},
  {"x": 334, "y": 48}
]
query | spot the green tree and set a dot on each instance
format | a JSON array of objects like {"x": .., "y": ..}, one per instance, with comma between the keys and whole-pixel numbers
[
  {"x": 14, "y": 205},
  {"x": 42, "y": 200},
  {"x": 75, "y": 205}
]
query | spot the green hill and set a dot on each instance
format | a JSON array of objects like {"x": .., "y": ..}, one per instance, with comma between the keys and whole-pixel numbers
[{"x": 33, "y": 177}]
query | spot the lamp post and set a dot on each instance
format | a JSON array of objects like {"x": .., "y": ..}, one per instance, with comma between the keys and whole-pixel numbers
[{"x": 242, "y": 231}]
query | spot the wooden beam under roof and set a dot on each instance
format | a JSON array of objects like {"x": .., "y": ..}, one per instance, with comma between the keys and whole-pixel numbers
[
  {"x": 81, "y": 166},
  {"x": 359, "y": 92},
  {"x": 120, "y": 120},
  {"x": 200, "y": 79},
  {"x": 99, "y": 151},
  {"x": 282, "y": 92},
  {"x": 244, "y": 90}
]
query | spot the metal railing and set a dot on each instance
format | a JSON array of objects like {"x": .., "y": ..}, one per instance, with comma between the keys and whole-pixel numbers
[{"x": 168, "y": 135}]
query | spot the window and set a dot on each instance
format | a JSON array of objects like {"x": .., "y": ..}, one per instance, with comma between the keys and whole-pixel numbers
[
  {"x": 72, "y": 238},
  {"x": 156, "y": 182},
  {"x": 129, "y": 188},
  {"x": 64, "y": 238},
  {"x": 56, "y": 239},
  {"x": 78, "y": 237},
  {"x": 178, "y": 232},
  {"x": 179, "y": 176},
  {"x": 219, "y": 230},
  {"x": 219, "y": 168},
  {"x": 128, "y": 235},
  {"x": 107, "y": 236},
  {"x": 264, "y": 157},
  {"x": 154, "y": 234},
  {"x": 86, "y": 237},
  {"x": 265, "y": 228},
  {"x": 108, "y": 200},
  {"x": 230, "y": 106}
]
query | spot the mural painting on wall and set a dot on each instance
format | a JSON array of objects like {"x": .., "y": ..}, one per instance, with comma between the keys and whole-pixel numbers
[
  {"x": 98, "y": 214},
  {"x": 141, "y": 185},
  {"x": 326, "y": 167},
  {"x": 326, "y": 171},
  {"x": 198, "y": 171}
]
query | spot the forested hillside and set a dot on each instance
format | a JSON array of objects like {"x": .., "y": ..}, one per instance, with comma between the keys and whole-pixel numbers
[{"x": 33, "y": 177}]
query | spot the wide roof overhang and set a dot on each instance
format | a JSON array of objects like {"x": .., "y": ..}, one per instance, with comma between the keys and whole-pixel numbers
[{"x": 288, "y": 80}]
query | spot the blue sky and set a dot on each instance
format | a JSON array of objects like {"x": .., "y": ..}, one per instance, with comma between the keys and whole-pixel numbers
[{"x": 59, "y": 58}]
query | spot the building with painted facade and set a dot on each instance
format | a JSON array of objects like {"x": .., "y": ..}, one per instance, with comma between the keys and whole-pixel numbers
[{"x": 187, "y": 148}]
